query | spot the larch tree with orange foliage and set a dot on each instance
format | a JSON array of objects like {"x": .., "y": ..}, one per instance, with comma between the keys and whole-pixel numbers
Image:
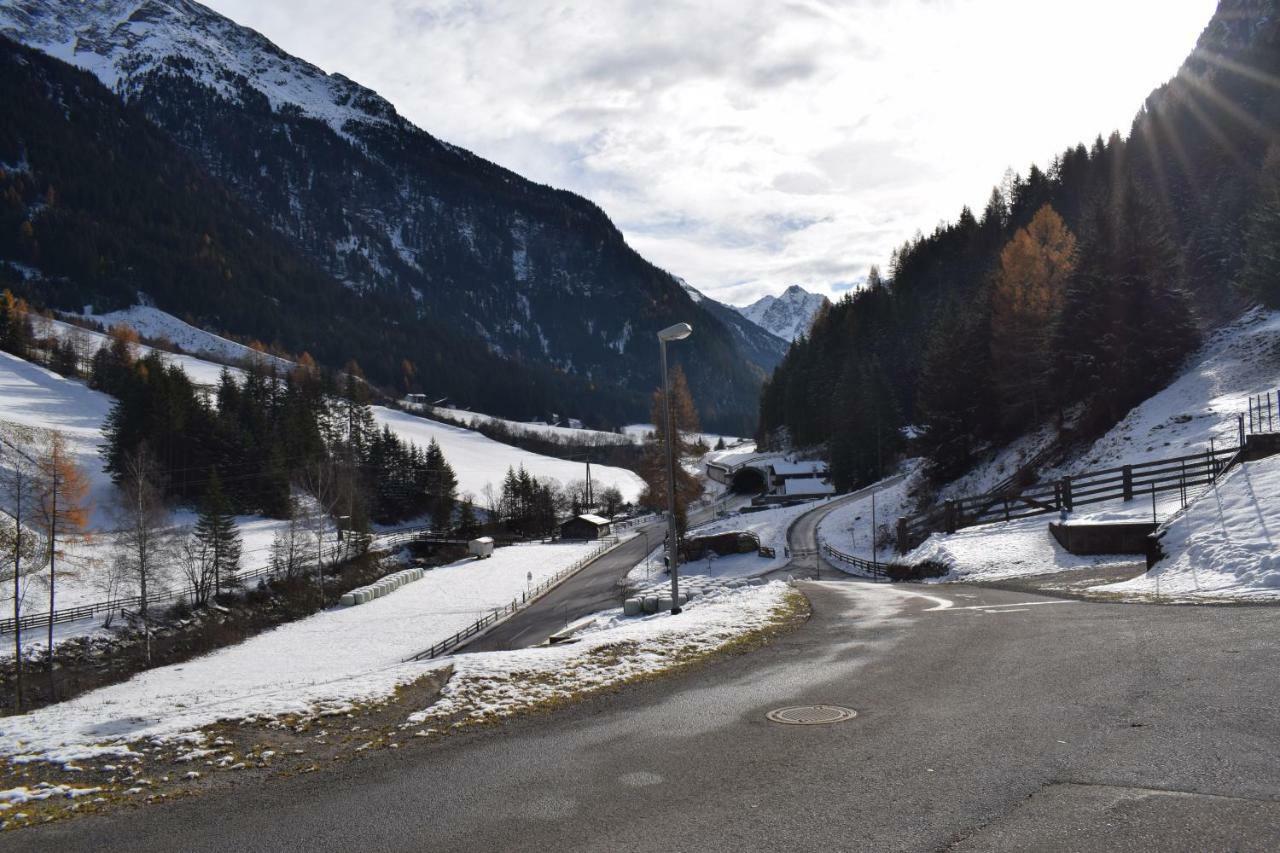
[
  {"x": 653, "y": 468},
  {"x": 1026, "y": 298},
  {"x": 61, "y": 510}
]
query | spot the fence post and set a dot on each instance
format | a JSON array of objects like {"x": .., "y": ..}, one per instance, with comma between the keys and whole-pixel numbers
[
  {"x": 1066, "y": 494},
  {"x": 902, "y": 534},
  {"x": 1006, "y": 507},
  {"x": 1128, "y": 482},
  {"x": 1240, "y": 418},
  {"x": 949, "y": 517}
]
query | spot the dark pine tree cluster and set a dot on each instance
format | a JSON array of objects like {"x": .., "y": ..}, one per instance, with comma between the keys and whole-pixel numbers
[{"x": 257, "y": 437}]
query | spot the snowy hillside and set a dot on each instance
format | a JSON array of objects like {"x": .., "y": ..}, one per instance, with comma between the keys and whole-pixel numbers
[
  {"x": 1203, "y": 402},
  {"x": 151, "y": 322},
  {"x": 788, "y": 316},
  {"x": 32, "y": 398},
  {"x": 480, "y": 461},
  {"x": 1224, "y": 544}
]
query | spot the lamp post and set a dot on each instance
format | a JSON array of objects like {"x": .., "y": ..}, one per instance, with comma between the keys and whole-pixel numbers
[{"x": 678, "y": 332}]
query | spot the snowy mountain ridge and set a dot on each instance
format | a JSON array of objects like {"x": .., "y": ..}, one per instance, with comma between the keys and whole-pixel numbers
[
  {"x": 421, "y": 230},
  {"x": 788, "y": 316},
  {"x": 122, "y": 42}
]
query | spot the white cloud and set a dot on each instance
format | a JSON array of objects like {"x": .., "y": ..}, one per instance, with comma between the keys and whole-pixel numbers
[{"x": 746, "y": 144}]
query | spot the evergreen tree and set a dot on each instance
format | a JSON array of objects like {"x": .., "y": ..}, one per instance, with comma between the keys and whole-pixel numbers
[
  {"x": 468, "y": 524},
  {"x": 1260, "y": 277},
  {"x": 1126, "y": 322},
  {"x": 955, "y": 405},
  {"x": 216, "y": 531},
  {"x": 866, "y": 433}
]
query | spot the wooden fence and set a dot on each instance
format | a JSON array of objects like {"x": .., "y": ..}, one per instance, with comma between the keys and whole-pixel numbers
[{"x": 1124, "y": 483}]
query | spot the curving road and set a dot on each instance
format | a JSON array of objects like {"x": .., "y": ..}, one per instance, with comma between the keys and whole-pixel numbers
[{"x": 987, "y": 720}]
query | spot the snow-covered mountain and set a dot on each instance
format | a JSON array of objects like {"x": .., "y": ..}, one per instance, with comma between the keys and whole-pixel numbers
[
  {"x": 788, "y": 316},
  {"x": 757, "y": 343},
  {"x": 421, "y": 229}
]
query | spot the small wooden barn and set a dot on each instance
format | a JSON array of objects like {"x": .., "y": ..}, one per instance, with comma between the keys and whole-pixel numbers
[{"x": 585, "y": 527}]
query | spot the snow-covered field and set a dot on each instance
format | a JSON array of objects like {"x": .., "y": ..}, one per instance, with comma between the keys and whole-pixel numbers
[
  {"x": 201, "y": 371},
  {"x": 543, "y": 430},
  {"x": 326, "y": 661},
  {"x": 641, "y": 432},
  {"x": 479, "y": 461},
  {"x": 1226, "y": 544}
]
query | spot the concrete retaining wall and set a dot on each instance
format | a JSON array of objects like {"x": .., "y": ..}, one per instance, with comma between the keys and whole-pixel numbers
[{"x": 1118, "y": 537}]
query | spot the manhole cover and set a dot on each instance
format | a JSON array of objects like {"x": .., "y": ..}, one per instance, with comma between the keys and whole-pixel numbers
[{"x": 811, "y": 715}]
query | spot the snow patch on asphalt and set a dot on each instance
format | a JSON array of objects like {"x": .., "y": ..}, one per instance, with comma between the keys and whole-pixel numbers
[{"x": 612, "y": 651}]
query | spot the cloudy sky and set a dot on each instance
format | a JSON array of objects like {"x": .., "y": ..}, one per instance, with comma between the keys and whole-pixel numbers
[{"x": 751, "y": 144}]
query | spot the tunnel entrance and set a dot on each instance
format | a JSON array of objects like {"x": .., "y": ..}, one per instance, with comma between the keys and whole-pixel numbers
[{"x": 748, "y": 481}]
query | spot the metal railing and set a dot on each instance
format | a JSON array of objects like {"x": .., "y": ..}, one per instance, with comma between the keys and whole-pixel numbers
[{"x": 526, "y": 598}]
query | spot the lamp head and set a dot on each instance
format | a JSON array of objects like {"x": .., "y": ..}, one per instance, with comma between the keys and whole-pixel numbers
[{"x": 678, "y": 332}]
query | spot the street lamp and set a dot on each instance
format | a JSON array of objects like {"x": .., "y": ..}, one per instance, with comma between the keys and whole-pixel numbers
[{"x": 678, "y": 332}]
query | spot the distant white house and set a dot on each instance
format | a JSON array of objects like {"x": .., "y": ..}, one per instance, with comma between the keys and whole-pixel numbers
[
  {"x": 807, "y": 487},
  {"x": 782, "y": 471}
]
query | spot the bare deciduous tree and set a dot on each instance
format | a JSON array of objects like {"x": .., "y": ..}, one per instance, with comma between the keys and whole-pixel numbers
[
  {"x": 20, "y": 544},
  {"x": 322, "y": 482},
  {"x": 144, "y": 545},
  {"x": 287, "y": 548},
  {"x": 198, "y": 568}
]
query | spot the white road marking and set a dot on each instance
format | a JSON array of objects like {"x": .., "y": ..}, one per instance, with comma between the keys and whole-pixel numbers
[
  {"x": 1012, "y": 604},
  {"x": 939, "y": 603}
]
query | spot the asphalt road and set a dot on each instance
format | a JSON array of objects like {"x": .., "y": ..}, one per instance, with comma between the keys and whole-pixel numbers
[
  {"x": 597, "y": 587},
  {"x": 987, "y": 720},
  {"x": 593, "y": 589}
]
